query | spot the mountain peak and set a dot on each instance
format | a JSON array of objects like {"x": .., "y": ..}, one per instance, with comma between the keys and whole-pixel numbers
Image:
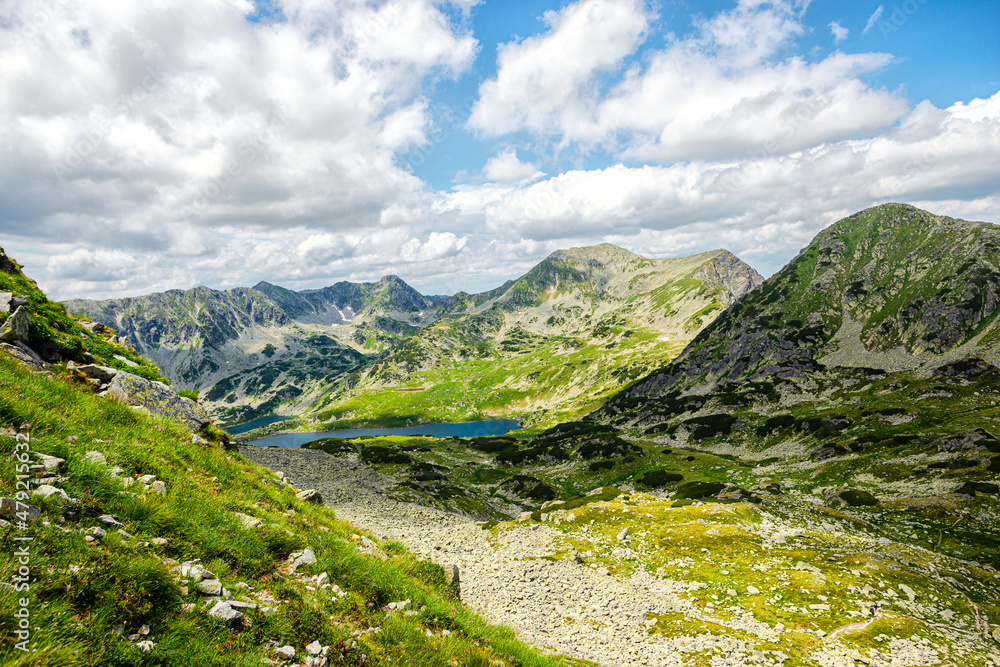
[{"x": 605, "y": 253}]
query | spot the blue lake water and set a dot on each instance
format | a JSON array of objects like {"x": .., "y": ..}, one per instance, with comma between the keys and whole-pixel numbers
[
  {"x": 460, "y": 430},
  {"x": 256, "y": 423}
]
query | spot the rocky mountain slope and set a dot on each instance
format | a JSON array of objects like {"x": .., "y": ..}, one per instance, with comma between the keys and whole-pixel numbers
[
  {"x": 548, "y": 346},
  {"x": 249, "y": 349},
  {"x": 584, "y": 317},
  {"x": 892, "y": 288}
]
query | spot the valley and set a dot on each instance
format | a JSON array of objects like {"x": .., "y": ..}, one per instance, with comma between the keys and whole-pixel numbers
[{"x": 715, "y": 469}]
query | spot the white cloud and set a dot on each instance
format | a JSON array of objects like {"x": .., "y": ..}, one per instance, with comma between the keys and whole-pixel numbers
[
  {"x": 872, "y": 20},
  {"x": 507, "y": 168},
  {"x": 771, "y": 206},
  {"x": 437, "y": 246},
  {"x": 134, "y": 126},
  {"x": 839, "y": 32},
  {"x": 200, "y": 148},
  {"x": 548, "y": 83},
  {"x": 723, "y": 92}
]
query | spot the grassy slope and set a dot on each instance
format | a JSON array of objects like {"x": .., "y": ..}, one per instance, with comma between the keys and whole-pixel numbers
[
  {"x": 53, "y": 330},
  {"x": 82, "y": 591},
  {"x": 490, "y": 364},
  {"x": 532, "y": 379}
]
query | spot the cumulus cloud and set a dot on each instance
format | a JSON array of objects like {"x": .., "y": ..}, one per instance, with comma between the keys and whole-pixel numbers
[
  {"x": 135, "y": 125},
  {"x": 766, "y": 207},
  {"x": 723, "y": 92},
  {"x": 839, "y": 32},
  {"x": 548, "y": 83},
  {"x": 507, "y": 168}
]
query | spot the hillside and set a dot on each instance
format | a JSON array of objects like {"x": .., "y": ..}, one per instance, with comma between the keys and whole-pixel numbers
[
  {"x": 141, "y": 543},
  {"x": 249, "y": 350},
  {"x": 549, "y": 346},
  {"x": 892, "y": 287}
]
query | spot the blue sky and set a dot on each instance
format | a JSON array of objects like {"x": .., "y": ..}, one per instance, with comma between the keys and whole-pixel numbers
[
  {"x": 456, "y": 143},
  {"x": 942, "y": 52}
]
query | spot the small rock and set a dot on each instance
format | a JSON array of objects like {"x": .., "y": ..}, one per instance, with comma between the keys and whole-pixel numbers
[
  {"x": 52, "y": 463},
  {"x": 96, "y": 457},
  {"x": 11, "y": 508},
  {"x": 109, "y": 520},
  {"x": 753, "y": 590},
  {"x": 322, "y": 578},
  {"x": 103, "y": 374},
  {"x": 248, "y": 521},
  {"x": 287, "y": 652},
  {"x": 622, "y": 535},
  {"x": 158, "y": 541},
  {"x": 147, "y": 479},
  {"x": 224, "y": 612},
  {"x": 158, "y": 487},
  {"x": 46, "y": 490},
  {"x": 909, "y": 592},
  {"x": 98, "y": 533},
  {"x": 16, "y": 326},
  {"x": 304, "y": 557},
  {"x": 210, "y": 587},
  {"x": 314, "y": 648},
  {"x": 310, "y": 496}
]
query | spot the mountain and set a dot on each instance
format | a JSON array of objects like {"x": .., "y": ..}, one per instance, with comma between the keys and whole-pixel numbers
[
  {"x": 250, "y": 349},
  {"x": 877, "y": 343},
  {"x": 892, "y": 288},
  {"x": 550, "y": 345},
  {"x": 593, "y": 317}
]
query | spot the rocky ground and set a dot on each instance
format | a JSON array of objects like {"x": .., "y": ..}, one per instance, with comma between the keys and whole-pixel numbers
[
  {"x": 586, "y": 590},
  {"x": 561, "y": 605}
]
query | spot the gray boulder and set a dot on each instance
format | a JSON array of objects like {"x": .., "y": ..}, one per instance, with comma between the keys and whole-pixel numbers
[
  {"x": 224, "y": 612},
  {"x": 103, "y": 374},
  {"x": 304, "y": 557},
  {"x": 47, "y": 490},
  {"x": 157, "y": 398},
  {"x": 5, "y": 298},
  {"x": 310, "y": 496},
  {"x": 10, "y": 508},
  {"x": 16, "y": 327}
]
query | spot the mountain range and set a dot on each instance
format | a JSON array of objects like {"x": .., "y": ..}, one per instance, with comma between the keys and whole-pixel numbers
[{"x": 585, "y": 317}]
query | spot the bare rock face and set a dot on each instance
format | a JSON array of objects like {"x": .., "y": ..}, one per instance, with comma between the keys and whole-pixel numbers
[
  {"x": 16, "y": 327},
  {"x": 157, "y": 398},
  {"x": 8, "y": 266}
]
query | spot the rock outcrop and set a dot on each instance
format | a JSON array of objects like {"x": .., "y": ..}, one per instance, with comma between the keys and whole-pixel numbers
[
  {"x": 16, "y": 327},
  {"x": 156, "y": 398}
]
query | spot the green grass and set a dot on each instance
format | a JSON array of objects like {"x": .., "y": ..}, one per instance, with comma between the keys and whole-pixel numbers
[
  {"x": 526, "y": 378},
  {"x": 81, "y": 592}
]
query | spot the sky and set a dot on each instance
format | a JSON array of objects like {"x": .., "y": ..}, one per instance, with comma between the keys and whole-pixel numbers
[{"x": 173, "y": 143}]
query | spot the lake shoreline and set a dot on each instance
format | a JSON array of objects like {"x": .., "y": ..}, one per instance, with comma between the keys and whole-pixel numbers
[{"x": 483, "y": 427}]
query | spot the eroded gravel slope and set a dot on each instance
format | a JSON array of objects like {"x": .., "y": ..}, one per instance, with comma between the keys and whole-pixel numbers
[{"x": 562, "y": 606}]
